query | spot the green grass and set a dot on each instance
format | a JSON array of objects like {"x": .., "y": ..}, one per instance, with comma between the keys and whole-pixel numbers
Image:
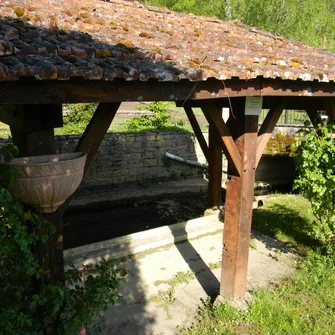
[
  {"x": 301, "y": 305},
  {"x": 286, "y": 218}
]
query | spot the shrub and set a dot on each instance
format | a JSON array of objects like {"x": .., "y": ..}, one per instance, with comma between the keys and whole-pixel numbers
[
  {"x": 315, "y": 161},
  {"x": 160, "y": 118},
  {"x": 77, "y": 117},
  {"x": 29, "y": 303}
]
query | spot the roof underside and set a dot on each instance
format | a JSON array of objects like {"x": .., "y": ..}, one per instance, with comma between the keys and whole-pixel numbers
[{"x": 98, "y": 40}]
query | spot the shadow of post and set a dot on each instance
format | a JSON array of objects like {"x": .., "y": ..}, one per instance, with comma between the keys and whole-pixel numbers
[{"x": 197, "y": 265}]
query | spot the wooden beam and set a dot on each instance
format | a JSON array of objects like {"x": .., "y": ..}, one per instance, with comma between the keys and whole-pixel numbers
[
  {"x": 214, "y": 117},
  {"x": 293, "y": 103},
  {"x": 93, "y": 135},
  {"x": 238, "y": 209},
  {"x": 74, "y": 91},
  {"x": 265, "y": 132},
  {"x": 197, "y": 131},
  {"x": 214, "y": 168},
  {"x": 96, "y": 130}
]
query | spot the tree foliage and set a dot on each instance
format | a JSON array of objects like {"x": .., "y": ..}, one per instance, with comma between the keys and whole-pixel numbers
[{"x": 309, "y": 21}]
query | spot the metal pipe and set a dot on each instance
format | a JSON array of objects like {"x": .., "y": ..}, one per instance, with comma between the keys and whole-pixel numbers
[{"x": 188, "y": 161}]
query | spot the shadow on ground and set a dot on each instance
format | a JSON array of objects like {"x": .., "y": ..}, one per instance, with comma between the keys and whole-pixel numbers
[{"x": 284, "y": 224}]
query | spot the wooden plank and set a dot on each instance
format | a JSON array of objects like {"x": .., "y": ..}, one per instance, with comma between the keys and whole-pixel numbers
[
  {"x": 265, "y": 132},
  {"x": 214, "y": 168},
  {"x": 238, "y": 210},
  {"x": 197, "y": 131},
  {"x": 214, "y": 117},
  {"x": 54, "y": 91},
  {"x": 96, "y": 131}
]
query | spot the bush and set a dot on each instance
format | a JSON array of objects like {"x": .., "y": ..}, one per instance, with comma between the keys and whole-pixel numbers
[
  {"x": 29, "y": 303},
  {"x": 77, "y": 117},
  {"x": 159, "y": 120},
  {"x": 315, "y": 161}
]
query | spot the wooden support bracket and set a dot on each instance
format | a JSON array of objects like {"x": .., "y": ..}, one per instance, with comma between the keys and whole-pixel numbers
[
  {"x": 93, "y": 135},
  {"x": 213, "y": 113},
  {"x": 265, "y": 132},
  {"x": 96, "y": 131},
  {"x": 197, "y": 131}
]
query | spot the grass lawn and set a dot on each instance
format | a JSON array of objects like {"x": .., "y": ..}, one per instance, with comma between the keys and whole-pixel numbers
[{"x": 301, "y": 305}]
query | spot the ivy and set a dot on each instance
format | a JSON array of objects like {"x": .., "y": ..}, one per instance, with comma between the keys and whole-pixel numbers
[{"x": 31, "y": 306}]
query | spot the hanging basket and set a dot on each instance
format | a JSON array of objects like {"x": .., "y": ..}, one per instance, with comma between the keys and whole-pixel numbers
[{"x": 47, "y": 181}]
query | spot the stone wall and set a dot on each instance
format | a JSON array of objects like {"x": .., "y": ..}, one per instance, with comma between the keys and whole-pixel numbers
[
  {"x": 129, "y": 158},
  {"x": 137, "y": 158}
]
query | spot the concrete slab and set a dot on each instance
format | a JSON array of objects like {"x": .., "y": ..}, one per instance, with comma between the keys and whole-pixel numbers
[
  {"x": 169, "y": 283},
  {"x": 155, "y": 305}
]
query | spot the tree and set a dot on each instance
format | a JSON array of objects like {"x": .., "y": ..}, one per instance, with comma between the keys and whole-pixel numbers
[{"x": 309, "y": 21}]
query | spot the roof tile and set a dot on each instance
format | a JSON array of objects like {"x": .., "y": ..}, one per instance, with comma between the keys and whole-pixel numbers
[{"x": 93, "y": 39}]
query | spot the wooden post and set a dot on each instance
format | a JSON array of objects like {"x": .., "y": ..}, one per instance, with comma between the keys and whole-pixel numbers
[
  {"x": 215, "y": 168},
  {"x": 32, "y": 128},
  {"x": 330, "y": 109},
  {"x": 238, "y": 207}
]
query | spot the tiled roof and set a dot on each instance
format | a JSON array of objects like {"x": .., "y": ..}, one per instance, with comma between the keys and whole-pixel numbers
[{"x": 93, "y": 39}]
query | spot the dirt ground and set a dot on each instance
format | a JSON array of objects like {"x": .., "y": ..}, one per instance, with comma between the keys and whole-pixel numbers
[{"x": 105, "y": 220}]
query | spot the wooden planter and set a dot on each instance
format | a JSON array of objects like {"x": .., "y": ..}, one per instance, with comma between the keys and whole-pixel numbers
[{"x": 47, "y": 181}]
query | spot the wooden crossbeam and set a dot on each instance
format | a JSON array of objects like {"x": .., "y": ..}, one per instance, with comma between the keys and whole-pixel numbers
[
  {"x": 293, "y": 103},
  {"x": 197, "y": 131},
  {"x": 213, "y": 114},
  {"x": 96, "y": 131},
  {"x": 73, "y": 91},
  {"x": 265, "y": 132}
]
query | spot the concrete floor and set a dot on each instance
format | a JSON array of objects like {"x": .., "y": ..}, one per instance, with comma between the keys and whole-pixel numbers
[{"x": 152, "y": 306}]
